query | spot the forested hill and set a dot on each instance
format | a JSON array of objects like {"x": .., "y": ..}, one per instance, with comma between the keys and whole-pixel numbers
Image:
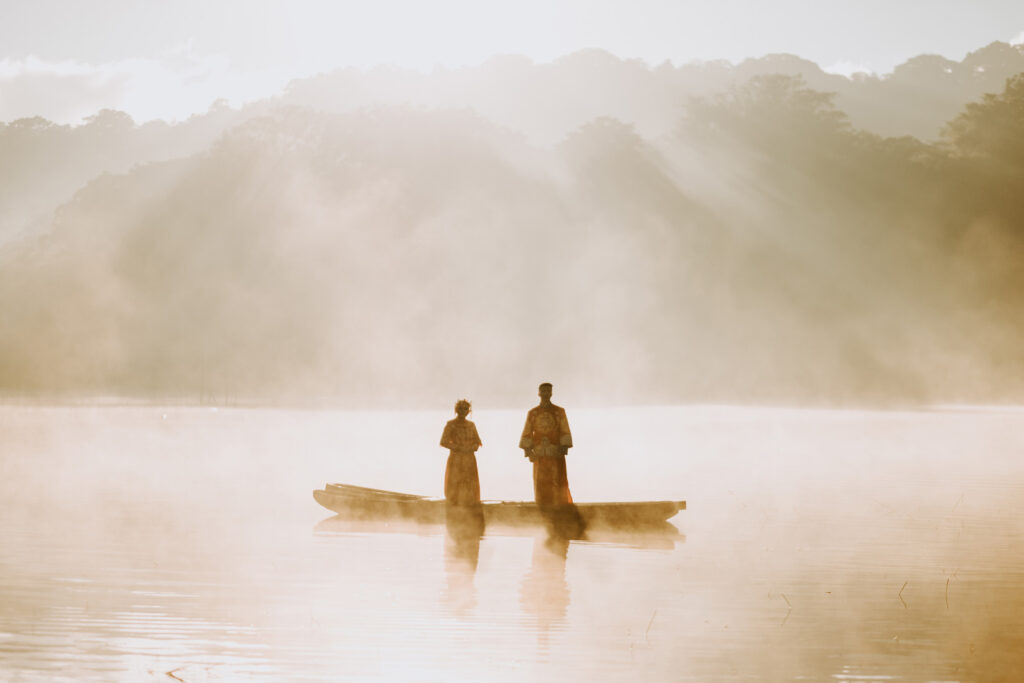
[
  {"x": 547, "y": 101},
  {"x": 763, "y": 250},
  {"x": 42, "y": 164}
]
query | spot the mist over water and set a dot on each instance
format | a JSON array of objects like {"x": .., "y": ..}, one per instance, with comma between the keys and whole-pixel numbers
[
  {"x": 140, "y": 541},
  {"x": 204, "y": 321}
]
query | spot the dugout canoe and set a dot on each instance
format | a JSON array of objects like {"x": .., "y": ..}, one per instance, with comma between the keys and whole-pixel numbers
[{"x": 359, "y": 502}]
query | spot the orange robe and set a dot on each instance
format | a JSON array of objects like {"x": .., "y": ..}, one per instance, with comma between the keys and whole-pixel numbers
[
  {"x": 545, "y": 437},
  {"x": 461, "y": 480}
]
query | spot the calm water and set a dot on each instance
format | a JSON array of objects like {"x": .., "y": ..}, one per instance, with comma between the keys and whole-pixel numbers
[{"x": 183, "y": 543}]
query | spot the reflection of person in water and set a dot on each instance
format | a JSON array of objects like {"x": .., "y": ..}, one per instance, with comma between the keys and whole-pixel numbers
[
  {"x": 461, "y": 480},
  {"x": 545, "y": 592},
  {"x": 461, "y": 554},
  {"x": 545, "y": 441}
]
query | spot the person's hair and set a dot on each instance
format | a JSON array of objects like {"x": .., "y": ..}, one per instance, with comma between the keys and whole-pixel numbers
[
  {"x": 544, "y": 384},
  {"x": 463, "y": 403}
]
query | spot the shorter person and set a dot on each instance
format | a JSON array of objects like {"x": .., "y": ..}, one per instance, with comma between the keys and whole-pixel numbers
[{"x": 461, "y": 480}]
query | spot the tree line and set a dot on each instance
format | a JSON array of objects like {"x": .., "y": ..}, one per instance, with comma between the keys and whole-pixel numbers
[{"x": 765, "y": 249}]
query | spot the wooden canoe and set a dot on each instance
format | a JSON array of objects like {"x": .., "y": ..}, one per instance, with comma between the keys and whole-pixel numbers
[{"x": 358, "y": 502}]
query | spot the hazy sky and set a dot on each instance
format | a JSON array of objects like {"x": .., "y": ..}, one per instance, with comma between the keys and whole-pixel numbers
[{"x": 156, "y": 58}]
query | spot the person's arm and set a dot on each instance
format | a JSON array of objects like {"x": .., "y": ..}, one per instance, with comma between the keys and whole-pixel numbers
[
  {"x": 564, "y": 436},
  {"x": 446, "y": 437},
  {"x": 526, "y": 440},
  {"x": 477, "y": 443}
]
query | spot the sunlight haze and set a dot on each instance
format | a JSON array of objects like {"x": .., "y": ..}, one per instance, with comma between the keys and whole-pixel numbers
[
  {"x": 170, "y": 60},
  {"x": 547, "y": 340}
]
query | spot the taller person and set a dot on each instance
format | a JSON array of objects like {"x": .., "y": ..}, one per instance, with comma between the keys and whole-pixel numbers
[{"x": 546, "y": 440}]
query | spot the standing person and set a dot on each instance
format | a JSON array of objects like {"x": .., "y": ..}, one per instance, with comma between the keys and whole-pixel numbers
[
  {"x": 546, "y": 440},
  {"x": 461, "y": 480}
]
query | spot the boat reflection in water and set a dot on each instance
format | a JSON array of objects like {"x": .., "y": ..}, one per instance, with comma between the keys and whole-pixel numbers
[{"x": 466, "y": 529}]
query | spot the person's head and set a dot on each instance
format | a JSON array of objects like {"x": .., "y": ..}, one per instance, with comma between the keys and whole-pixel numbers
[
  {"x": 544, "y": 390},
  {"x": 463, "y": 407}
]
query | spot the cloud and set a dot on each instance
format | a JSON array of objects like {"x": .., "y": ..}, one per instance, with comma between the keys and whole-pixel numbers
[
  {"x": 173, "y": 86},
  {"x": 845, "y": 67},
  {"x": 63, "y": 91},
  {"x": 1019, "y": 40}
]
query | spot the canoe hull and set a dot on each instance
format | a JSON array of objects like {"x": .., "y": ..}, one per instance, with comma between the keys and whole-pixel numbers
[
  {"x": 427, "y": 511},
  {"x": 361, "y": 503}
]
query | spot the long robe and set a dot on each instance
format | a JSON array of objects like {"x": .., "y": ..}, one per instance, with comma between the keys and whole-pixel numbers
[
  {"x": 461, "y": 479},
  {"x": 545, "y": 436}
]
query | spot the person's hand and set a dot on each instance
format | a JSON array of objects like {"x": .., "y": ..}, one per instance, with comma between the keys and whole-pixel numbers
[{"x": 565, "y": 450}]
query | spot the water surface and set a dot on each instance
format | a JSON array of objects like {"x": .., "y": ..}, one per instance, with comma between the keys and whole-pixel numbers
[{"x": 147, "y": 543}]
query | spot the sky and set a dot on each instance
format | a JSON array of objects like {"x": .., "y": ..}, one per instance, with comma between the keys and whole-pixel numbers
[{"x": 65, "y": 59}]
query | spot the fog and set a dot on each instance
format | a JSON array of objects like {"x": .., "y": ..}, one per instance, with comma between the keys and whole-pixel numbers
[
  {"x": 818, "y": 544},
  {"x": 756, "y": 286},
  {"x": 632, "y": 233}
]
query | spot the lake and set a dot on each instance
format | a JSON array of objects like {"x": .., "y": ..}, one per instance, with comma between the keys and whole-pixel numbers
[{"x": 183, "y": 543}]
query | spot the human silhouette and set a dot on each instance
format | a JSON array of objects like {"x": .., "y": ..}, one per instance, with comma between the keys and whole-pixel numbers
[
  {"x": 545, "y": 441},
  {"x": 461, "y": 479}
]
